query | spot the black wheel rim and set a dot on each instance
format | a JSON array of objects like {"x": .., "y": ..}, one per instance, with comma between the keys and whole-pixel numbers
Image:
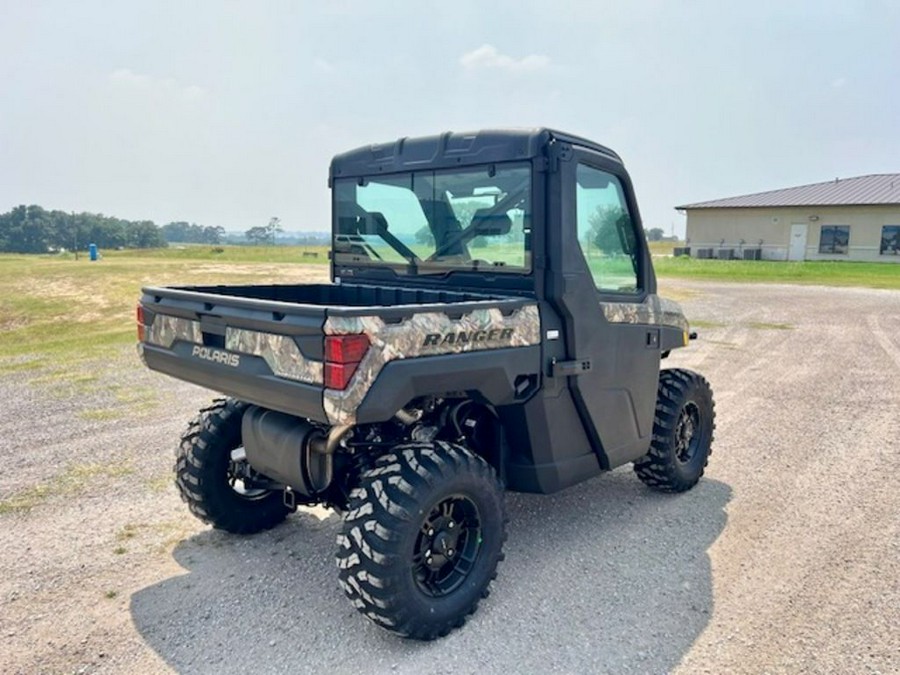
[
  {"x": 238, "y": 477},
  {"x": 687, "y": 433},
  {"x": 447, "y": 546}
]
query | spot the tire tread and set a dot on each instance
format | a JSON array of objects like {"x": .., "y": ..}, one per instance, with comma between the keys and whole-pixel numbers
[
  {"x": 657, "y": 468},
  {"x": 197, "y": 473},
  {"x": 367, "y": 557}
]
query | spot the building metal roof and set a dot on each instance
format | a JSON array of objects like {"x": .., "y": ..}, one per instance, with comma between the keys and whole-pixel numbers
[{"x": 882, "y": 188}]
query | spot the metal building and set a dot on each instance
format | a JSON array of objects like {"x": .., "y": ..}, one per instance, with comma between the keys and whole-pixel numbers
[{"x": 844, "y": 219}]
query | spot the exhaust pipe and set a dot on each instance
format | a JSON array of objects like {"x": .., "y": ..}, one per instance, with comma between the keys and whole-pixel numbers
[{"x": 291, "y": 450}]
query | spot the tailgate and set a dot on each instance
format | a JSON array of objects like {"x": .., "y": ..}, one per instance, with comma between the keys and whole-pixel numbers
[{"x": 262, "y": 351}]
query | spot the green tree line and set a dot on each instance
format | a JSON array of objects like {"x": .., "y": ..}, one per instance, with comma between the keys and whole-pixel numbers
[
  {"x": 32, "y": 229},
  {"x": 191, "y": 233}
]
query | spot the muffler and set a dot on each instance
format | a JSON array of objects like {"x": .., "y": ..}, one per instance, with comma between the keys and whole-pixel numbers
[{"x": 280, "y": 447}]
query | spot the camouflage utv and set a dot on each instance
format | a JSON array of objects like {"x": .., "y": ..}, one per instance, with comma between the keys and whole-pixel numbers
[{"x": 491, "y": 324}]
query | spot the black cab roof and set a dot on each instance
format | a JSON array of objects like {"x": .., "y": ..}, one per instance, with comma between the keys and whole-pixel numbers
[{"x": 451, "y": 149}]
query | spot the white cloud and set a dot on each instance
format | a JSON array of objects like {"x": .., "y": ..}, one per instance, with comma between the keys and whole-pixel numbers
[
  {"x": 128, "y": 77},
  {"x": 839, "y": 82},
  {"x": 488, "y": 56},
  {"x": 323, "y": 66},
  {"x": 194, "y": 91},
  {"x": 125, "y": 77}
]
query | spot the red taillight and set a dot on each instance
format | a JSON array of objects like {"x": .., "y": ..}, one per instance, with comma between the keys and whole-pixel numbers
[
  {"x": 346, "y": 348},
  {"x": 342, "y": 356},
  {"x": 338, "y": 375},
  {"x": 141, "y": 328}
]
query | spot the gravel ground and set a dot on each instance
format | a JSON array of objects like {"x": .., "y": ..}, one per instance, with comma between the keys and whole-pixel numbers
[{"x": 785, "y": 558}]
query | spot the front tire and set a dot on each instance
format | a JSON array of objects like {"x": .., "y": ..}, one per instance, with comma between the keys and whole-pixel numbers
[
  {"x": 422, "y": 538},
  {"x": 208, "y": 473},
  {"x": 682, "y": 432}
]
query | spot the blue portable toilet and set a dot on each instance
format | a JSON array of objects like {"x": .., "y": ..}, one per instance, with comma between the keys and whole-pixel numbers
[{"x": 92, "y": 251}]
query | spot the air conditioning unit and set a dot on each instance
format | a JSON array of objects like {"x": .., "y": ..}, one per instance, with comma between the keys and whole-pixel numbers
[
  {"x": 726, "y": 254},
  {"x": 752, "y": 254},
  {"x": 704, "y": 253},
  {"x": 679, "y": 251}
]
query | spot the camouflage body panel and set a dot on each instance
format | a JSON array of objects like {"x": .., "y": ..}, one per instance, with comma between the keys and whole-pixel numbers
[
  {"x": 280, "y": 352},
  {"x": 165, "y": 330},
  {"x": 425, "y": 334},
  {"x": 654, "y": 311}
]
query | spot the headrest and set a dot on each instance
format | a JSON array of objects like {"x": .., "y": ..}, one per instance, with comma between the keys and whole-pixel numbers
[{"x": 487, "y": 223}]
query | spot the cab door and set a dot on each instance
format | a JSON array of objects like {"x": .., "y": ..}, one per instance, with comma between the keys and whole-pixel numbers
[{"x": 606, "y": 277}]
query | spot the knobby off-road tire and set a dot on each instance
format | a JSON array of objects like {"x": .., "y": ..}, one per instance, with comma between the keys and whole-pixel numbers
[
  {"x": 682, "y": 432},
  {"x": 204, "y": 474},
  {"x": 422, "y": 538}
]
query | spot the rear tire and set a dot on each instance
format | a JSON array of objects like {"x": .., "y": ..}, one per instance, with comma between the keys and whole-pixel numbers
[
  {"x": 206, "y": 479},
  {"x": 422, "y": 539},
  {"x": 682, "y": 432}
]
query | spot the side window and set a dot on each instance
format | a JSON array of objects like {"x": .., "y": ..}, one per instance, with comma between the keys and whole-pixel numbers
[
  {"x": 605, "y": 231},
  {"x": 890, "y": 240},
  {"x": 834, "y": 239}
]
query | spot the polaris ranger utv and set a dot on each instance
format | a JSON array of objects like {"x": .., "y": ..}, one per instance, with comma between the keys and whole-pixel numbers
[{"x": 492, "y": 324}]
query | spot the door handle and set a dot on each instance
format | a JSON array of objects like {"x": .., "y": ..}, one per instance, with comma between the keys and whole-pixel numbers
[{"x": 570, "y": 368}]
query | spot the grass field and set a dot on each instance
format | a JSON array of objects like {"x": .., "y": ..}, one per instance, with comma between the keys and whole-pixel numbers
[
  {"x": 57, "y": 312},
  {"x": 663, "y": 247},
  {"x": 242, "y": 254},
  {"x": 55, "y": 306},
  {"x": 825, "y": 273},
  {"x": 870, "y": 275}
]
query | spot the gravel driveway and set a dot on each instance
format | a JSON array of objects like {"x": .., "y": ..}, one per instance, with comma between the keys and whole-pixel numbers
[{"x": 785, "y": 558}]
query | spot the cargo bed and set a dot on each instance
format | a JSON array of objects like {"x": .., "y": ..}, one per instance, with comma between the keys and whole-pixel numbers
[{"x": 266, "y": 344}]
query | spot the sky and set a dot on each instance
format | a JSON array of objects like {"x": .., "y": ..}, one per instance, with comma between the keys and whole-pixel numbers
[{"x": 227, "y": 113}]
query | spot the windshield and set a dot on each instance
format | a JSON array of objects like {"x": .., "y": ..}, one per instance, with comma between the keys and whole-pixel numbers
[{"x": 434, "y": 222}]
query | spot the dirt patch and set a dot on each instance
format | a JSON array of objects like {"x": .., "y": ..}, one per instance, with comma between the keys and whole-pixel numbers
[{"x": 294, "y": 273}]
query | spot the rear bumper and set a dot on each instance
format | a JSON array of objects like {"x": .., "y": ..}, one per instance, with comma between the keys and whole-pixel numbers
[{"x": 252, "y": 381}]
